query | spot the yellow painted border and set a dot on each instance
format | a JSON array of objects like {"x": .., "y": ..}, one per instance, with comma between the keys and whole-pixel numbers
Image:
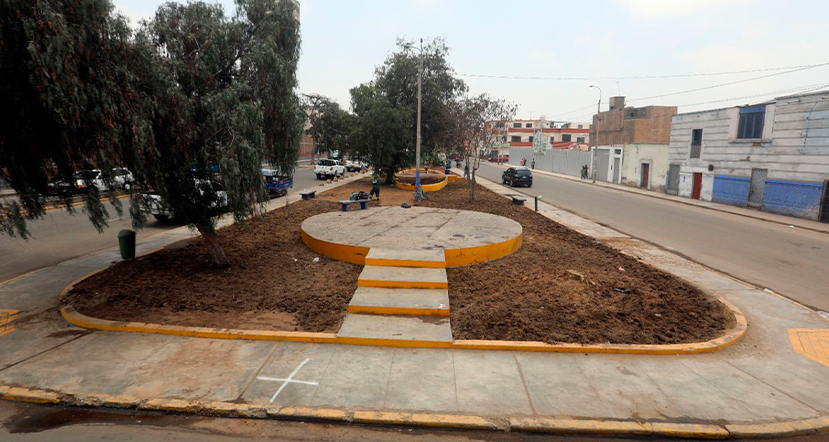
[
  {"x": 376, "y": 310},
  {"x": 528, "y": 424},
  {"x": 402, "y": 284},
  {"x": 340, "y": 252},
  {"x": 454, "y": 257},
  {"x": 730, "y": 338},
  {"x": 405, "y": 263},
  {"x": 426, "y": 187}
]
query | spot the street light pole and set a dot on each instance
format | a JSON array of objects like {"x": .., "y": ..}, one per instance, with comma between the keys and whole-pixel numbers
[
  {"x": 417, "y": 148},
  {"x": 596, "y": 146}
]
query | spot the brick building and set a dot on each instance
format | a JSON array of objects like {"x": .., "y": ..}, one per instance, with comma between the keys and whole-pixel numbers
[{"x": 632, "y": 144}]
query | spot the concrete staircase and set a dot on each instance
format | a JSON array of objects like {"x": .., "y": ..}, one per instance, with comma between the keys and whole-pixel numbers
[{"x": 402, "y": 295}]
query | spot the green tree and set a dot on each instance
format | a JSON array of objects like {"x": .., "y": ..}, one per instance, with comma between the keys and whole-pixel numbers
[
  {"x": 224, "y": 102},
  {"x": 396, "y": 78},
  {"x": 67, "y": 102},
  {"x": 473, "y": 128},
  {"x": 330, "y": 125},
  {"x": 381, "y": 133},
  {"x": 194, "y": 100}
]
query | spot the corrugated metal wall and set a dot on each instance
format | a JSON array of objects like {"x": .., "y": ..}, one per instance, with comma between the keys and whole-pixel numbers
[{"x": 567, "y": 162}]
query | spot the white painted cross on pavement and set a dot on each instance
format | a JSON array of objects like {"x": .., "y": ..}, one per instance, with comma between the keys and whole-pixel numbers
[{"x": 288, "y": 380}]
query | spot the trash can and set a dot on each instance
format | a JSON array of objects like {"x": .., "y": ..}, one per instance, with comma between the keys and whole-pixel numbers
[{"x": 126, "y": 242}]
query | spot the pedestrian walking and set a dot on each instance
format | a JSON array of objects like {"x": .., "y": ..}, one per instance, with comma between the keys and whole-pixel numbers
[
  {"x": 533, "y": 164},
  {"x": 466, "y": 170}
]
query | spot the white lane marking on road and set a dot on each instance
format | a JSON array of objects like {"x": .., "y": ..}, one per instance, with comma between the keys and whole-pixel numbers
[{"x": 288, "y": 380}]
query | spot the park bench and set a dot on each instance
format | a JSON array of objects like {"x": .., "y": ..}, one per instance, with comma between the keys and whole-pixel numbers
[
  {"x": 346, "y": 203},
  {"x": 517, "y": 199},
  {"x": 308, "y": 194}
]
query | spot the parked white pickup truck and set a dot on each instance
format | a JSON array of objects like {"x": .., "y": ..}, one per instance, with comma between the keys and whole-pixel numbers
[{"x": 329, "y": 168}]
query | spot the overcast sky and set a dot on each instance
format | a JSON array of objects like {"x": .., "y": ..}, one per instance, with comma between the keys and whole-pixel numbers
[{"x": 343, "y": 41}]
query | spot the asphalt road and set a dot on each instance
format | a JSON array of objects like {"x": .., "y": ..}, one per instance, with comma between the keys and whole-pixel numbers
[
  {"x": 60, "y": 236},
  {"x": 793, "y": 262}
]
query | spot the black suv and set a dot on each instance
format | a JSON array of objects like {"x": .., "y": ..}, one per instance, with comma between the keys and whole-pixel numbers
[{"x": 518, "y": 176}]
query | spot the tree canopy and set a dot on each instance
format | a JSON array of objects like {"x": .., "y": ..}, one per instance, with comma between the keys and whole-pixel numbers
[{"x": 192, "y": 104}]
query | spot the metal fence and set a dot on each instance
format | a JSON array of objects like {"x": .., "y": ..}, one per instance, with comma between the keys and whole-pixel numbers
[{"x": 567, "y": 162}]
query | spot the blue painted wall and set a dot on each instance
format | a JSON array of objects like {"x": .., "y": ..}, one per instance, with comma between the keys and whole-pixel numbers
[
  {"x": 792, "y": 198},
  {"x": 731, "y": 190}
]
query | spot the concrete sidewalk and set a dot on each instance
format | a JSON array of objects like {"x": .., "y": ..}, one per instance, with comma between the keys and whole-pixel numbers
[
  {"x": 742, "y": 211},
  {"x": 771, "y": 383}
]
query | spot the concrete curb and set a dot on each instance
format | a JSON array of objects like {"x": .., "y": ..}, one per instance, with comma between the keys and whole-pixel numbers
[
  {"x": 528, "y": 424},
  {"x": 731, "y": 337}
]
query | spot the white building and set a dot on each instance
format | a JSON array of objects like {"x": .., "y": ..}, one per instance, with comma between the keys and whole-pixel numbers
[{"x": 773, "y": 155}]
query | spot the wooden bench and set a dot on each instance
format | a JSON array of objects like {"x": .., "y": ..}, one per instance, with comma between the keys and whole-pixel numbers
[
  {"x": 346, "y": 203},
  {"x": 308, "y": 194},
  {"x": 516, "y": 199}
]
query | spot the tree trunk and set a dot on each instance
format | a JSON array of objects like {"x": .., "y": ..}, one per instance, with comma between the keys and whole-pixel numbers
[
  {"x": 214, "y": 248},
  {"x": 472, "y": 188}
]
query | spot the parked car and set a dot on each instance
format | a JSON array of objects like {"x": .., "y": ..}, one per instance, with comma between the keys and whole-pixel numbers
[
  {"x": 518, "y": 176},
  {"x": 277, "y": 185},
  {"x": 354, "y": 166},
  {"x": 455, "y": 156},
  {"x": 162, "y": 211},
  {"x": 499, "y": 159},
  {"x": 85, "y": 180},
  {"x": 329, "y": 168}
]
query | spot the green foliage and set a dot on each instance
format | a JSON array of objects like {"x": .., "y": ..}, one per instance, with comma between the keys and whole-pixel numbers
[
  {"x": 195, "y": 99},
  {"x": 330, "y": 125},
  {"x": 386, "y": 108},
  {"x": 381, "y": 132},
  {"x": 67, "y": 101}
]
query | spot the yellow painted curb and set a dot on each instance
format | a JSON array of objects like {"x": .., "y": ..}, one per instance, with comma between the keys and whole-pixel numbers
[
  {"x": 453, "y": 257},
  {"x": 402, "y": 284},
  {"x": 426, "y": 420},
  {"x": 731, "y": 337},
  {"x": 340, "y": 252},
  {"x": 83, "y": 321},
  {"x": 374, "y": 310},
  {"x": 687, "y": 431},
  {"x": 405, "y": 263},
  {"x": 426, "y": 187},
  {"x": 32, "y": 395},
  {"x": 532, "y": 424},
  {"x": 308, "y": 413},
  {"x": 576, "y": 426}
]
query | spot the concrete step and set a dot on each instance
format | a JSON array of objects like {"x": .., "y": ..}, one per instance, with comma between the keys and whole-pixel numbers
[
  {"x": 388, "y": 330},
  {"x": 406, "y": 258},
  {"x": 403, "y": 277},
  {"x": 413, "y": 302}
]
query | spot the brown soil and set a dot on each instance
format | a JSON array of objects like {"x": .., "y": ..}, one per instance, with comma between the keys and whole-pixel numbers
[
  {"x": 272, "y": 284},
  {"x": 559, "y": 287}
]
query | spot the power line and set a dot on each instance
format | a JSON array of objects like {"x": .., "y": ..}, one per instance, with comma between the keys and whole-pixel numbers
[
  {"x": 800, "y": 89},
  {"x": 797, "y": 69},
  {"x": 641, "y": 77},
  {"x": 731, "y": 82}
]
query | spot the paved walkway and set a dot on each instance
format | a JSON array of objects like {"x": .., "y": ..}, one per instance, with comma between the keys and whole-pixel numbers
[
  {"x": 771, "y": 382},
  {"x": 742, "y": 211}
]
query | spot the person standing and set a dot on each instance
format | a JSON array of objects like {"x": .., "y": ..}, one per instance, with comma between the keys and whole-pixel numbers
[
  {"x": 466, "y": 170},
  {"x": 533, "y": 164},
  {"x": 375, "y": 187}
]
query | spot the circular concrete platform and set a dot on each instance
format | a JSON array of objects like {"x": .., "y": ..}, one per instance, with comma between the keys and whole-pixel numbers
[{"x": 464, "y": 237}]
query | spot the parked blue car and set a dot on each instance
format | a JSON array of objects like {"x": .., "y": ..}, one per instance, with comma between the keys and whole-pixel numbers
[{"x": 275, "y": 184}]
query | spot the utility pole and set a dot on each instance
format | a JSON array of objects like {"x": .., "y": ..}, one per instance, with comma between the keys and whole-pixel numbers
[
  {"x": 417, "y": 147},
  {"x": 596, "y": 147}
]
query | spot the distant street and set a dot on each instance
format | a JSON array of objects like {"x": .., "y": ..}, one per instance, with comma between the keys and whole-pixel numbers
[
  {"x": 790, "y": 261},
  {"x": 60, "y": 236}
]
